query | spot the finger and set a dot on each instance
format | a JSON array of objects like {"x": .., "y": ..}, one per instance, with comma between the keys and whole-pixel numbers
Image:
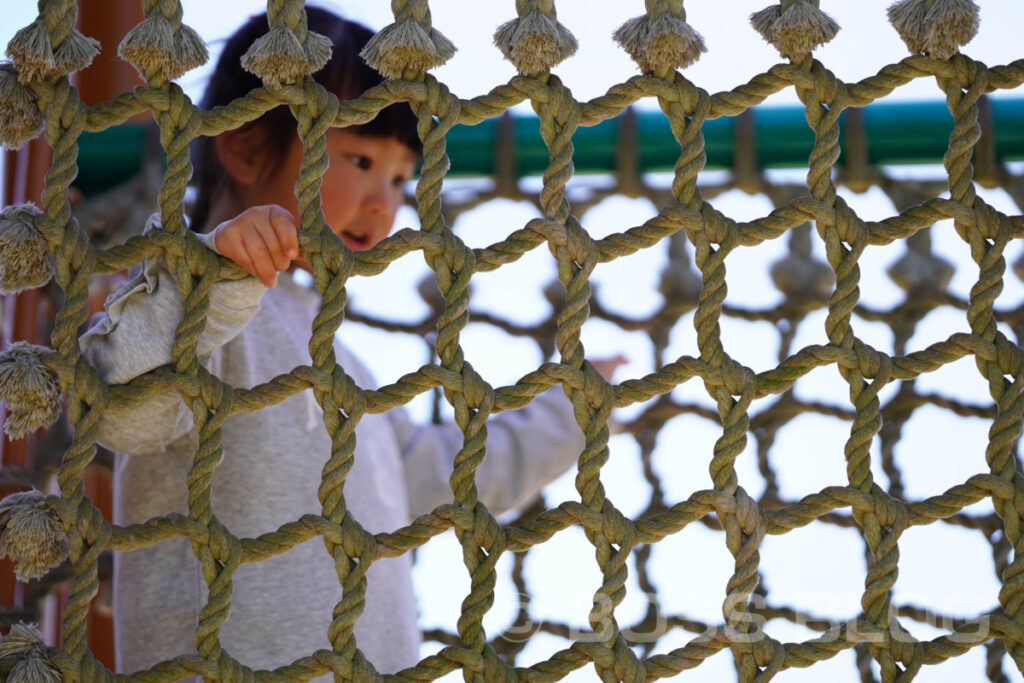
[
  {"x": 260, "y": 258},
  {"x": 229, "y": 244},
  {"x": 286, "y": 229},
  {"x": 263, "y": 228}
]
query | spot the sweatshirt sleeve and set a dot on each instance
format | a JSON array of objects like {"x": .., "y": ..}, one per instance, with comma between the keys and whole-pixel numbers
[
  {"x": 526, "y": 449},
  {"x": 135, "y": 334}
]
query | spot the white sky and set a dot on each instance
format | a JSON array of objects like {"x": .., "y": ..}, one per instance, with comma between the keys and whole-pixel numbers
[{"x": 819, "y": 568}]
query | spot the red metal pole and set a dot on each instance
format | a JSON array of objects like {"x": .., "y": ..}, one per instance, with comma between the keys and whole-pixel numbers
[
  {"x": 23, "y": 319},
  {"x": 25, "y": 315},
  {"x": 107, "y": 77}
]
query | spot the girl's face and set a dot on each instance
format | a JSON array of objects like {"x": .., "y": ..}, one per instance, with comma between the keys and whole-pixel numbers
[{"x": 362, "y": 189}]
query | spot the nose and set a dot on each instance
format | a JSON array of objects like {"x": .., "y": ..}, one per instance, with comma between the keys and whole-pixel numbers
[{"x": 381, "y": 197}]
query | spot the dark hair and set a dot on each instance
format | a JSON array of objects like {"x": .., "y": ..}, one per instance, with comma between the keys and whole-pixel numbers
[{"x": 346, "y": 75}]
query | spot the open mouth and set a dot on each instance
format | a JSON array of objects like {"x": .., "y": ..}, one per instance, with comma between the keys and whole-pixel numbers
[{"x": 355, "y": 241}]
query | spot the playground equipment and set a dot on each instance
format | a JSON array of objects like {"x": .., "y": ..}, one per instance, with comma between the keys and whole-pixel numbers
[{"x": 35, "y": 90}]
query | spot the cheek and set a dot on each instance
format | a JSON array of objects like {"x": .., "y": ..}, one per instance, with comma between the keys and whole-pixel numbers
[
  {"x": 285, "y": 199},
  {"x": 336, "y": 203},
  {"x": 336, "y": 184},
  {"x": 398, "y": 199}
]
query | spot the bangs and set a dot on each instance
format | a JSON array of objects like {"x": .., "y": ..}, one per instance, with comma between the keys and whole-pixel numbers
[{"x": 348, "y": 76}]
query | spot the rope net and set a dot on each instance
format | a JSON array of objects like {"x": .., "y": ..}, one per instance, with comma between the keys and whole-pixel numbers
[{"x": 699, "y": 241}]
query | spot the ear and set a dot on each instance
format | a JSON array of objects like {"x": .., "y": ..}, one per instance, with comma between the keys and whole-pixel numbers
[{"x": 239, "y": 153}]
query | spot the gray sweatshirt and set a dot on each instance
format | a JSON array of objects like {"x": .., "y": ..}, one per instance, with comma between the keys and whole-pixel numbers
[{"x": 281, "y": 607}]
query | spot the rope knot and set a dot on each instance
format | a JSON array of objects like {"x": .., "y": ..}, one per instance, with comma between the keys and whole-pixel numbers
[
  {"x": 20, "y": 118},
  {"x": 580, "y": 246},
  {"x": 31, "y": 389},
  {"x": 1008, "y": 355},
  {"x": 406, "y": 46},
  {"x": 769, "y": 653},
  {"x": 736, "y": 377},
  {"x": 889, "y": 512},
  {"x": 331, "y": 249},
  {"x": 224, "y": 546},
  {"x": 215, "y": 393},
  {"x": 536, "y": 41},
  {"x": 661, "y": 40},
  {"x": 475, "y": 389},
  {"x": 935, "y": 27},
  {"x": 849, "y": 226},
  {"x": 36, "y": 57},
  {"x": 748, "y": 514},
  {"x": 346, "y": 393},
  {"x": 197, "y": 257},
  {"x": 23, "y": 656},
  {"x": 716, "y": 225},
  {"x": 282, "y": 57},
  {"x": 596, "y": 387},
  {"x": 24, "y": 258},
  {"x": 31, "y": 534},
  {"x": 456, "y": 255},
  {"x": 904, "y": 647},
  {"x": 156, "y": 47},
  {"x": 795, "y": 28},
  {"x": 871, "y": 362},
  {"x": 497, "y": 669},
  {"x": 616, "y": 527},
  {"x": 987, "y": 219},
  {"x": 487, "y": 533},
  {"x": 627, "y": 665},
  {"x": 357, "y": 542}
]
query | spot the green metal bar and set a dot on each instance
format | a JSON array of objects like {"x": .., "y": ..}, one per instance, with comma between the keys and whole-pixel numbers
[{"x": 897, "y": 133}]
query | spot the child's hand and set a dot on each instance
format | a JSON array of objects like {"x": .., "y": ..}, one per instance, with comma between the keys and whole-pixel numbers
[{"x": 263, "y": 240}]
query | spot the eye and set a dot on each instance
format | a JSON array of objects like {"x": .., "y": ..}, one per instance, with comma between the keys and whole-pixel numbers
[
  {"x": 363, "y": 162},
  {"x": 400, "y": 181}
]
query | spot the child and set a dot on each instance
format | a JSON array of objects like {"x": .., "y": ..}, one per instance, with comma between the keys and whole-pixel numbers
[{"x": 257, "y": 328}]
